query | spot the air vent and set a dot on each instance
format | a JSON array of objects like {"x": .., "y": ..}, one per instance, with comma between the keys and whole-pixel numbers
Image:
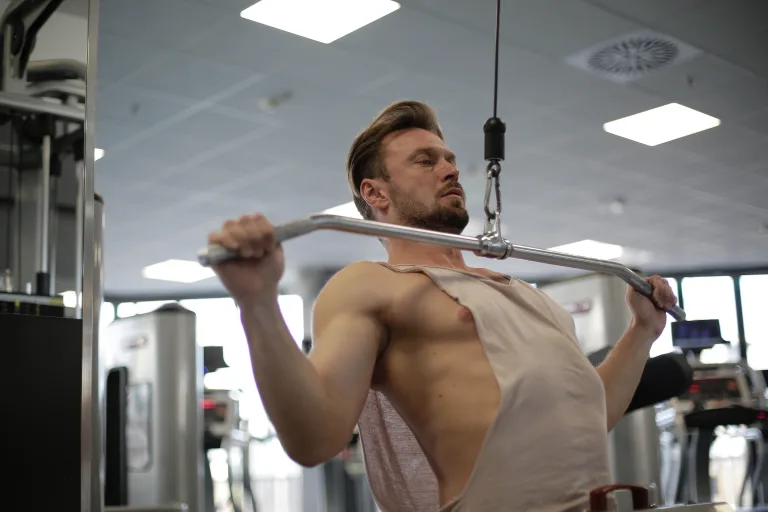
[{"x": 632, "y": 56}]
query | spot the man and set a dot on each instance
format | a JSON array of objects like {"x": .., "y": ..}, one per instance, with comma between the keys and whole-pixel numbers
[{"x": 469, "y": 387}]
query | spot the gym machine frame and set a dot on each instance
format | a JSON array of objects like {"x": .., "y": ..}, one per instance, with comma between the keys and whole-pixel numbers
[{"x": 19, "y": 25}]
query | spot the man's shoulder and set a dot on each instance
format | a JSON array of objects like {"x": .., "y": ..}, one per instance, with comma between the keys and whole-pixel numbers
[
  {"x": 372, "y": 269},
  {"x": 362, "y": 280}
]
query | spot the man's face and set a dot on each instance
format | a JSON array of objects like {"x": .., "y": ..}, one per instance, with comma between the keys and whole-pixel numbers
[{"x": 423, "y": 190}]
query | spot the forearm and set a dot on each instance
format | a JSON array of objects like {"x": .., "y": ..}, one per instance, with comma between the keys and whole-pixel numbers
[
  {"x": 621, "y": 372},
  {"x": 291, "y": 390}
]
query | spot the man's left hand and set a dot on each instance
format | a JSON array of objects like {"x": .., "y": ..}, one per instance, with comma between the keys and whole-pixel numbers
[{"x": 648, "y": 315}]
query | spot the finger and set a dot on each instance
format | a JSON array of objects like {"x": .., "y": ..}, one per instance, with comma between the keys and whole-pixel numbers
[
  {"x": 253, "y": 226},
  {"x": 224, "y": 237},
  {"x": 658, "y": 295},
  {"x": 268, "y": 233},
  {"x": 667, "y": 295},
  {"x": 663, "y": 295},
  {"x": 247, "y": 248},
  {"x": 267, "y": 238},
  {"x": 670, "y": 295}
]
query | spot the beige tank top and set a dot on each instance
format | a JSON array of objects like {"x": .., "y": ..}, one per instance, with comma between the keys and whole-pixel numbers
[{"x": 548, "y": 445}]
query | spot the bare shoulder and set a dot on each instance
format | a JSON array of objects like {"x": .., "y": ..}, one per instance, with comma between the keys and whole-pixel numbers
[{"x": 362, "y": 286}]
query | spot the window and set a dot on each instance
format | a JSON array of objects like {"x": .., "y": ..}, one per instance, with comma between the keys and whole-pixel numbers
[
  {"x": 664, "y": 344},
  {"x": 754, "y": 298},
  {"x": 713, "y": 298}
]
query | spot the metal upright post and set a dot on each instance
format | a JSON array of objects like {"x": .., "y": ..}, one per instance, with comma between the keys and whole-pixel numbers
[
  {"x": 43, "y": 220},
  {"x": 79, "y": 203},
  {"x": 92, "y": 453}
]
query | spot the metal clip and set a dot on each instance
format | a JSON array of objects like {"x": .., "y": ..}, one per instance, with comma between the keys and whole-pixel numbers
[
  {"x": 491, "y": 242},
  {"x": 492, "y": 216}
]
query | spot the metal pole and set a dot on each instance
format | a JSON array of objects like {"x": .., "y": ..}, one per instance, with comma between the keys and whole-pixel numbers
[
  {"x": 91, "y": 449},
  {"x": 44, "y": 206},
  {"x": 53, "y": 236},
  {"x": 483, "y": 246},
  {"x": 79, "y": 202},
  {"x": 740, "y": 318},
  {"x": 43, "y": 277}
]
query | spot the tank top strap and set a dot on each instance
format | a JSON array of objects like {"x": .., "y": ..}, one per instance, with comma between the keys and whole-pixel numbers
[{"x": 431, "y": 269}]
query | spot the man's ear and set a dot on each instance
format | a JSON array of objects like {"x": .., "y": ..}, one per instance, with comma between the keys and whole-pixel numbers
[{"x": 375, "y": 193}]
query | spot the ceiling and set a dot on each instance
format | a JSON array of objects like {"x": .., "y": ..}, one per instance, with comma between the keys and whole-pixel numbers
[{"x": 182, "y": 84}]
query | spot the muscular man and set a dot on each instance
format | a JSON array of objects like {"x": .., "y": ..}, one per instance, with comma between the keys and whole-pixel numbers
[{"x": 469, "y": 387}]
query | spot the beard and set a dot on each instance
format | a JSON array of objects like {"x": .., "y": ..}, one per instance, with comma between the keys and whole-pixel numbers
[{"x": 446, "y": 218}]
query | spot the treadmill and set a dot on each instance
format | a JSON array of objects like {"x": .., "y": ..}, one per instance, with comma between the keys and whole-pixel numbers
[{"x": 721, "y": 394}]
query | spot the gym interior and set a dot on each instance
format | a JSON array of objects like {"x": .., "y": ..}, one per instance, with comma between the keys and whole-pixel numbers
[{"x": 129, "y": 130}]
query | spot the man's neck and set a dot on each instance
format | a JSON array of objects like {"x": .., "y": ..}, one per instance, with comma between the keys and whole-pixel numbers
[{"x": 406, "y": 252}]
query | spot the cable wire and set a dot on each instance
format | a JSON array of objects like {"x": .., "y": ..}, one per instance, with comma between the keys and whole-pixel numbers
[
  {"x": 11, "y": 208},
  {"x": 496, "y": 60}
]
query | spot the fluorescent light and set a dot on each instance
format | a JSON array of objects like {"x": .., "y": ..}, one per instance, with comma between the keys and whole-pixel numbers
[
  {"x": 320, "y": 20},
  {"x": 178, "y": 271},
  {"x": 98, "y": 153},
  {"x": 345, "y": 210},
  {"x": 591, "y": 249},
  {"x": 662, "y": 124}
]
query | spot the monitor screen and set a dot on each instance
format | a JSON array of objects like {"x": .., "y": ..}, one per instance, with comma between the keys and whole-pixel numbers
[{"x": 696, "y": 334}]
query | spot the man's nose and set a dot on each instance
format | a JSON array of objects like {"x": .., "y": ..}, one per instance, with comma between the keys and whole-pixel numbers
[{"x": 448, "y": 171}]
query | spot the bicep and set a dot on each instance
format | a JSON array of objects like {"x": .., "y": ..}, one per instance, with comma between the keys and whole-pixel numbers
[
  {"x": 347, "y": 336},
  {"x": 344, "y": 354}
]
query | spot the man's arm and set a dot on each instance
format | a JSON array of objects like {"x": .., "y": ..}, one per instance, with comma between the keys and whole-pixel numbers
[
  {"x": 314, "y": 403},
  {"x": 622, "y": 369},
  {"x": 621, "y": 372}
]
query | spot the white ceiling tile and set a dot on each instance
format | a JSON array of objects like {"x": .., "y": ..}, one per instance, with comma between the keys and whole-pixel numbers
[
  {"x": 135, "y": 107},
  {"x": 250, "y": 46},
  {"x": 183, "y": 75},
  {"x": 166, "y": 24},
  {"x": 650, "y": 11},
  {"x": 739, "y": 28},
  {"x": 728, "y": 145},
  {"x": 756, "y": 120},
  {"x": 126, "y": 55},
  {"x": 701, "y": 76},
  {"x": 735, "y": 99}
]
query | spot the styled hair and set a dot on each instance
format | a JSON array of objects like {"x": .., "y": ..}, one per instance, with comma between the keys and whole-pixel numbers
[{"x": 365, "y": 159}]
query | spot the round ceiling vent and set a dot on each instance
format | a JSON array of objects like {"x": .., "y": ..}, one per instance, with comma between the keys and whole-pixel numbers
[{"x": 634, "y": 56}]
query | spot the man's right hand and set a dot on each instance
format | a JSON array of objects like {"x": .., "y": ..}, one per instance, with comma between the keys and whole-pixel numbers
[{"x": 256, "y": 273}]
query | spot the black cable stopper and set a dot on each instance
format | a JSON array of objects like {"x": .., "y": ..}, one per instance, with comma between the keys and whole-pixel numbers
[{"x": 494, "y": 129}]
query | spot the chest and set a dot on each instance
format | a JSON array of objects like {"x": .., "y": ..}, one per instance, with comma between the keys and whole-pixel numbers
[{"x": 422, "y": 310}]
